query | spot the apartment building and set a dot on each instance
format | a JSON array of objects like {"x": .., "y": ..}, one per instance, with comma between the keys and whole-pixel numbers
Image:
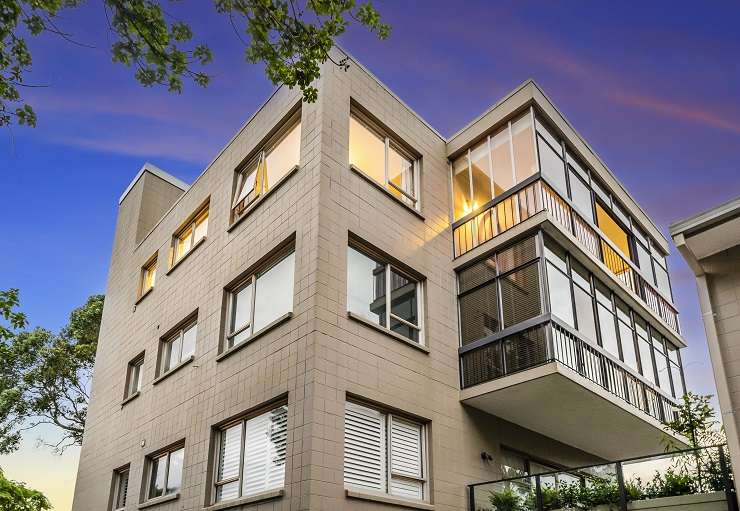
[
  {"x": 710, "y": 244},
  {"x": 347, "y": 310}
]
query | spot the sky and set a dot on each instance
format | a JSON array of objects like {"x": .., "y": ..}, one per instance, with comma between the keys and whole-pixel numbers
[{"x": 653, "y": 86}]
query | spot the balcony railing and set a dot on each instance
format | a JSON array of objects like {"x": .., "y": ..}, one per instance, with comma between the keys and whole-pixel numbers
[
  {"x": 547, "y": 339},
  {"x": 499, "y": 216},
  {"x": 690, "y": 479}
]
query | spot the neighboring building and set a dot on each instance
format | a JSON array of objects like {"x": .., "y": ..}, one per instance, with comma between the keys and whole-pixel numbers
[
  {"x": 348, "y": 311},
  {"x": 710, "y": 244}
]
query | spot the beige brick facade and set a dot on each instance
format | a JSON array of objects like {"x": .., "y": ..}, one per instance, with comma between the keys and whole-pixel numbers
[{"x": 317, "y": 357}]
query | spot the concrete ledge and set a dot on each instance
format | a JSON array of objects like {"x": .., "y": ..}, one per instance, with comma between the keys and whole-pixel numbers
[
  {"x": 256, "y": 335},
  {"x": 158, "y": 500},
  {"x": 259, "y": 497},
  {"x": 386, "y": 331},
  {"x": 697, "y": 502},
  {"x": 130, "y": 398},
  {"x": 259, "y": 200},
  {"x": 186, "y": 254},
  {"x": 389, "y": 499},
  {"x": 380, "y": 187},
  {"x": 173, "y": 369}
]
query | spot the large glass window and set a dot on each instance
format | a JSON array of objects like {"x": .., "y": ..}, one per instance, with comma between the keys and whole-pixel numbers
[
  {"x": 260, "y": 299},
  {"x": 584, "y": 302},
  {"x": 627, "y": 335},
  {"x": 645, "y": 349},
  {"x": 268, "y": 167},
  {"x": 611, "y": 228},
  {"x": 510, "y": 277},
  {"x": 581, "y": 196},
  {"x": 383, "y": 159},
  {"x": 251, "y": 455},
  {"x": 165, "y": 473},
  {"x": 496, "y": 164},
  {"x": 552, "y": 164},
  {"x": 558, "y": 284},
  {"x": 178, "y": 347},
  {"x": 188, "y": 236},
  {"x": 607, "y": 321},
  {"x": 368, "y": 278},
  {"x": 384, "y": 452}
]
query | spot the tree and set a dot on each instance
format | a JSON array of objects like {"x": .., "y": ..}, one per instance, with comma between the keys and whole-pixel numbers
[
  {"x": 696, "y": 421},
  {"x": 291, "y": 37},
  {"x": 15, "y": 496},
  {"x": 45, "y": 376}
]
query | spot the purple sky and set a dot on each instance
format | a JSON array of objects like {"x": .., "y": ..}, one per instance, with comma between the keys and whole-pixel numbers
[{"x": 652, "y": 86}]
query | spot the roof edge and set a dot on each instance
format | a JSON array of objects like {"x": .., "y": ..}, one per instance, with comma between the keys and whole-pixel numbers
[
  {"x": 706, "y": 218},
  {"x": 156, "y": 171}
]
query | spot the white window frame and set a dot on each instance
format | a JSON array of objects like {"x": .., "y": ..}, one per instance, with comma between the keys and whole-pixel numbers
[
  {"x": 388, "y": 294},
  {"x": 242, "y": 421},
  {"x": 134, "y": 368},
  {"x": 400, "y": 148},
  {"x": 169, "y": 339},
  {"x": 390, "y": 475},
  {"x": 203, "y": 214},
  {"x": 151, "y": 463},
  {"x": 117, "y": 479},
  {"x": 243, "y": 172},
  {"x": 234, "y": 290}
]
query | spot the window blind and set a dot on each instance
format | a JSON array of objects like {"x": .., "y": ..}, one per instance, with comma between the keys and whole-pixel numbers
[
  {"x": 264, "y": 452},
  {"x": 364, "y": 448},
  {"x": 406, "y": 459}
]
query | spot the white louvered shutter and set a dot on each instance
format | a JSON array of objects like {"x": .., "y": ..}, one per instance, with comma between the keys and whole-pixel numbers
[
  {"x": 228, "y": 466},
  {"x": 364, "y": 448},
  {"x": 406, "y": 453},
  {"x": 264, "y": 452}
]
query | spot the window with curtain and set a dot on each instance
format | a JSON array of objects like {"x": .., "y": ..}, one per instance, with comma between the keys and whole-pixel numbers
[
  {"x": 384, "y": 452},
  {"x": 613, "y": 230},
  {"x": 398, "y": 309},
  {"x": 260, "y": 299},
  {"x": 268, "y": 167},
  {"x": 383, "y": 158},
  {"x": 251, "y": 455},
  {"x": 165, "y": 473},
  {"x": 148, "y": 276},
  {"x": 189, "y": 235},
  {"x": 178, "y": 347}
]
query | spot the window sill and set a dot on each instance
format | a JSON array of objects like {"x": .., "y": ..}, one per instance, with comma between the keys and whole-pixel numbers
[
  {"x": 255, "y": 204},
  {"x": 158, "y": 500},
  {"x": 279, "y": 321},
  {"x": 174, "y": 369},
  {"x": 388, "y": 332},
  {"x": 130, "y": 398},
  {"x": 259, "y": 497},
  {"x": 144, "y": 295},
  {"x": 187, "y": 254},
  {"x": 377, "y": 185},
  {"x": 388, "y": 499}
]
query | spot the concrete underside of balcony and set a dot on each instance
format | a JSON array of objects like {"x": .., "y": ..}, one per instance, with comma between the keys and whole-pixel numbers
[{"x": 556, "y": 401}]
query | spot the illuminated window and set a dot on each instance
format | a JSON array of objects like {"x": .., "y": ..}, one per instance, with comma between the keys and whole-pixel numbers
[
  {"x": 148, "y": 275},
  {"x": 268, "y": 167},
  {"x": 611, "y": 228},
  {"x": 383, "y": 159},
  {"x": 493, "y": 166},
  {"x": 189, "y": 236}
]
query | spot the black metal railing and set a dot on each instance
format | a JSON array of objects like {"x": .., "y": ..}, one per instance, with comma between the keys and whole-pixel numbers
[
  {"x": 501, "y": 214},
  {"x": 547, "y": 339},
  {"x": 703, "y": 473}
]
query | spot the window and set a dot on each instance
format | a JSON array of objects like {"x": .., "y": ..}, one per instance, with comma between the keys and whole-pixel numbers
[
  {"x": 120, "y": 488},
  {"x": 133, "y": 376},
  {"x": 626, "y": 335},
  {"x": 383, "y": 159},
  {"x": 551, "y": 158},
  {"x": 661, "y": 362},
  {"x": 611, "y": 228},
  {"x": 251, "y": 455},
  {"x": 260, "y": 299},
  {"x": 676, "y": 373},
  {"x": 645, "y": 349},
  {"x": 367, "y": 280},
  {"x": 165, "y": 473},
  {"x": 178, "y": 347},
  {"x": 584, "y": 302},
  {"x": 384, "y": 452},
  {"x": 190, "y": 235},
  {"x": 581, "y": 196},
  {"x": 558, "y": 283},
  {"x": 497, "y": 163},
  {"x": 499, "y": 291},
  {"x": 148, "y": 275},
  {"x": 268, "y": 167}
]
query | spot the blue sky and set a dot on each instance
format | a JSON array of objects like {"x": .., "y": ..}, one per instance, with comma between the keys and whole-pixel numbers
[{"x": 652, "y": 86}]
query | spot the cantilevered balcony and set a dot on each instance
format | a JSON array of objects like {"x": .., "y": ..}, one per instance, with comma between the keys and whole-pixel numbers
[{"x": 546, "y": 376}]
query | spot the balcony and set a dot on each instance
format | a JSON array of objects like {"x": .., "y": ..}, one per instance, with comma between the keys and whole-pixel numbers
[
  {"x": 545, "y": 376},
  {"x": 697, "y": 479},
  {"x": 534, "y": 196}
]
